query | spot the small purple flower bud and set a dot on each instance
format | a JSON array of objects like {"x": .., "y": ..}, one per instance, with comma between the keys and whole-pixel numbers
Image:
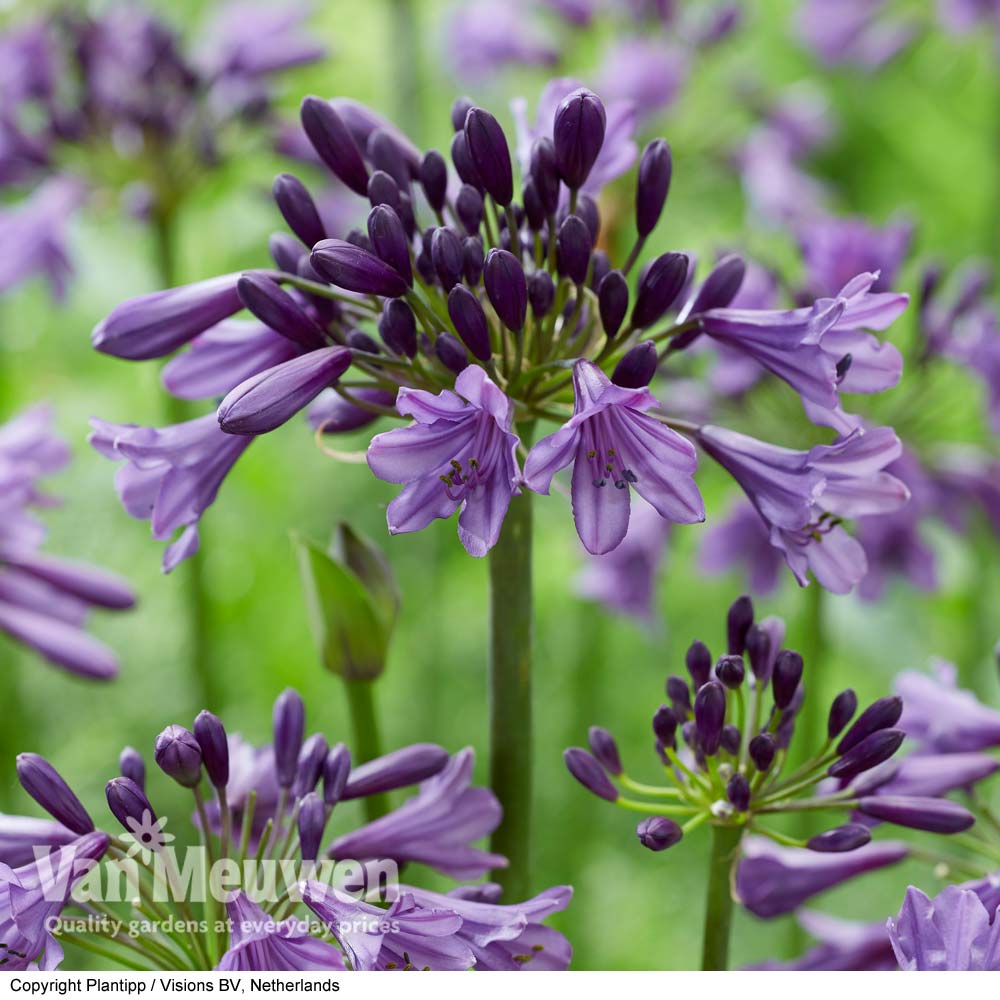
[
  {"x": 298, "y": 209},
  {"x": 358, "y": 340},
  {"x": 464, "y": 164},
  {"x": 659, "y": 286},
  {"x": 131, "y": 765},
  {"x": 434, "y": 179},
  {"x": 473, "y": 259},
  {"x": 721, "y": 286},
  {"x": 534, "y": 210},
  {"x": 604, "y": 748},
  {"x": 211, "y": 737},
  {"x": 447, "y": 255},
  {"x": 385, "y": 155},
  {"x": 541, "y": 292},
  {"x": 787, "y": 674},
  {"x": 507, "y": 288},
  {"x": 545, "y": 174},
  {"x": 600, "y": 268},
  {"x": 678, "y": 692},
  {"x": 589, "y": 773},
  {"x": 730, "y": 671},
  {"x": 738, "y": 792},
  {"x": 127, "y": 801},
  {"x": 359, "y": 239},
  {"x": 309, "y": 767},
  {"x": 356, "y": 269},
  {"x": 698, "y": 661},
  {"x": 451, "y": 353},
  {"x": 178, "y": 755},
  {"x": 336, "y": 771},
  {"x": 758, "y": 645},
  {"x": 469, "y": 208},
  {"x": 460, "y": 107},
  {"x": 762, "y": 749},
  {"x": 488, "y": 149},
  {"x": 383, "y": 190},
  {"x": 389, "y": 240},
  {"x": 587, "y": 210},
  {"x": 689, "y": 733},
  {"x": 652, "y": 185},
  {"x": 285, "y": 251},
  {"x": 637, "y": 366},
  {"x": 394, "y": 770},
  {"x": 397, "y": 327},
  {"x": 578, "y": 135},
  {"x": 665, "y": 726},
  {"x": 841, "y": 712},
  {"x": 470, "y": 322},
  {"x": 659, "y": 832},
  {"x": 334, "y": 143},
  {"x": 573, "y": 249},
  {"x": 880, "y": 714},
  {"x": 870, "y": 752},
  {"x": 289, "y": 723},
  {"x": 848, "y": 837},
  {"x": 917, "y": 813},
  {"x": 612, "y": 300},
  {"x": 738, "y": 622},
  {"x": 710, "y": 715},
  {"x": 47, "y": 787},
  {"x": 731, "y": 739},
  {"x": 312, "y": 820},
  {"x": 275, "y": 308}
]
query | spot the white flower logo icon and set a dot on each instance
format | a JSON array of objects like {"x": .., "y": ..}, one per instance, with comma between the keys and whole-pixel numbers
[{"x": 146, "y": 835}]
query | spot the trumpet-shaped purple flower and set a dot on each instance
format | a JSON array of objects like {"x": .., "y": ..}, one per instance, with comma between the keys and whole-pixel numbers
[
  {"x": 20, "y": 835},
  {"x": 614, "y": 444},
  {"x": 742, "y": 538},
  {"x": 844, "y": 946},
  {"x": 459, "y": 454},
  {"x": 172, "y": 474}
]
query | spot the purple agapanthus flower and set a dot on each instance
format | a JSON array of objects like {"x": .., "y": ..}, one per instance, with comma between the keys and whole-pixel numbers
[
  {"x": 20, "y": 835},
  {"x": 459, "y": 454},
  {"x": 844, "y": 946},
  {"x": 647, "y": 72},
  {"x": 614, "y": 445},
  {"x": 742, "y": 538},
  {"x": 862, "y": 33},
  {"x": 486, "y": 36},
  {"x": 967, "y": 15}
]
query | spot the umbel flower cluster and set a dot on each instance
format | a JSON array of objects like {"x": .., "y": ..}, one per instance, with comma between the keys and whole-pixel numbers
[
  {"x": 725, "y": 740},
  {"x": 270, "y": 895},
  {"x": 503, "y": 315}
]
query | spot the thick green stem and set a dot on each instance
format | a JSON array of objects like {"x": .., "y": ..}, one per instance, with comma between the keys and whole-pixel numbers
[
  {"x": 367, "y": 743},
  {"x": 510, "y": 695},
  {"x": 719, "y": 898}
]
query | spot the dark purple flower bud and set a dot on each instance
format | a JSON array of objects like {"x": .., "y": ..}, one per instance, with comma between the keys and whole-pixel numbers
[
  {"x": 383, "y": 190},
  {"x": 678, "y": 692},
  {"x": 47, "y": 787},
  {"x": 637, "y": 366},
  {"x": 434, "y": 179},
  {"x": 738, "y": 792},
  {"x": 721, "y": 286},
  {"x": 507, "y": 288},
  {"x": 541, "y": 292},
  {"x": 334, "y": 143},
  {"x": 289, "y": 723},
  {"x": 545, "y": 175},
  {"x": 534, "y": 210},
  {"x": 464, "y": 164},
  {"x": 359, "y": 239},
  {"x": 275, "y": 308},
  {"x": 731, "y": 739},
  {"x": 408, "y": 766},
  {"x": 689, "y": 732},
  {"x": 880, "y": 714},
  {"x": 358, "y": 340},
  {"x": 469, "y": 208},
  {"x": 738, "y": 622},
  {"x": 309, "y": 767},
  {"x": 758, "y": 646},
  {"x": 472, "y": 259},
  {"x": 659, "y": 832},
  {"x": 312, "y": 820},
  {"x": 451, "y": 353},
  {"x": 336, "y": 771},
  {"x": 128, "y": 802},
  {"x": 460, "y": 107},
  {"x": 470, "y": 322},
  {"x": 386, "y": 155},
  {"x": 762, "y": 749},
  {"x": 730, "y": 671},
  {"x": 710, "y": 715},
  {"x": 612, "y": 299},
  {"x": 652, "y": 185},
  {"x": 698, "y": 661},
  {"x": 298, "y": 208},
  {"x": 211, "y": 736},
  {"x": 487, "y": 146},
  {"x": 659, "y": 286},
  {"x": 604, "y": 748},
  {"x": 356, "y": 269},
  {"x": 870, "y": 752},
  {"x": 131, "y": 765},
  {"x": 848, "y": 837},
  {"x": 573, "y": 249},
  {"x": 285, "y": 251},
  {"x": 178, "y": 755},
  {"x": 917, "y": 813},
  {"x": 397, "y": 327},
  {"x": 665, "y": 726},
  {"x": 787, "y": 674},
  {"x": 447, "y": 254},
  {"x": 578, "y": 135},
  {"x": 389, "y": 240},
  {"x": 841, "y": 712},
  {"x": 600, "y": 268},
  {"x": 587, "y": 210},
  {"x": 589, "y": 773}
]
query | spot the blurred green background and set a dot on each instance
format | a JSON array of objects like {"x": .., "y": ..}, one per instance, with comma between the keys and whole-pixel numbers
[{"x": 921, "y": 138}]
